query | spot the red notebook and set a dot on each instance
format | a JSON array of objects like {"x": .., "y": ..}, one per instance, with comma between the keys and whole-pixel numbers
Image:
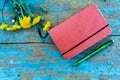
[{"x": 80, "y": 31}]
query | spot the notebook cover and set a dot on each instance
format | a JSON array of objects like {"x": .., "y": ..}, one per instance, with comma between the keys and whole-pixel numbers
[{"x": 80, "y": 31}]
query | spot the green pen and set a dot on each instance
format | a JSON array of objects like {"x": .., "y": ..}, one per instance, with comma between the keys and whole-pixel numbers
[{"x": 105, "y": 45}]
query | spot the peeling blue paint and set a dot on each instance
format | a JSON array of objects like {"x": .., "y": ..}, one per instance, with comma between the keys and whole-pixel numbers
[{"x": 45, "y": 62}]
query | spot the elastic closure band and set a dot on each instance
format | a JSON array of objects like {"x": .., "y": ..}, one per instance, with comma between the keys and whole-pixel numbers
[{"x": 85, "y": 40}]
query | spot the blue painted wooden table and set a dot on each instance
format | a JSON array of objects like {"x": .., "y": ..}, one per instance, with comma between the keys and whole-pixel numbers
[{"x": 25, "y": 56}]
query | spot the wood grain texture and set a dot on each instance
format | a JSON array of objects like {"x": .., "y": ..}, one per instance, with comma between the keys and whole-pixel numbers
[{"x": 42, "y": 61}]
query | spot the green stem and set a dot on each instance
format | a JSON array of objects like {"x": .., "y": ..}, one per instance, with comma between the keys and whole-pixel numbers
[
  {"x": 3, "y": 11},
  {"x": 28, "y": 11},
  {"x": 10, "y": 2},
  {"x": 20, "y": 8}
]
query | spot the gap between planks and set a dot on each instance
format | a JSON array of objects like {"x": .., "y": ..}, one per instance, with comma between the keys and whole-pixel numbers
[{"x": 39, "y": 42}]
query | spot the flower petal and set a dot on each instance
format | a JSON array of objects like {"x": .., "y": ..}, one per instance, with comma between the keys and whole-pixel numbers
[
  {"x": 3, "y": 26},
  {"x": 11, "y": 29},
  {"x": 47, "y": 26},
  {"x": 25, "y": 22},
  {"x": 36, "y": 20},
  {"x": 17, "y": 26}
]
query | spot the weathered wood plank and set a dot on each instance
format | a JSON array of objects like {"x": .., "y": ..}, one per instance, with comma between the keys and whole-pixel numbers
[
  {"x": 44, "y": 61},
  {"x": 59, "y": 10},
  {"x": 38, "y": 61}
]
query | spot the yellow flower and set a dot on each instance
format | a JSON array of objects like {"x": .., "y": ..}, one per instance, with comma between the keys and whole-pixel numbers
[
  {"x": 25, "y": 22},
  {"x": 3, "y": 26},
  {"x": 11, "y": 29},
  {"x": 36, "y": 20},
  {"x": 47, "y": 26},
  {"x": 17, "y": 26},
  {"x": 14, "y": 28}
]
